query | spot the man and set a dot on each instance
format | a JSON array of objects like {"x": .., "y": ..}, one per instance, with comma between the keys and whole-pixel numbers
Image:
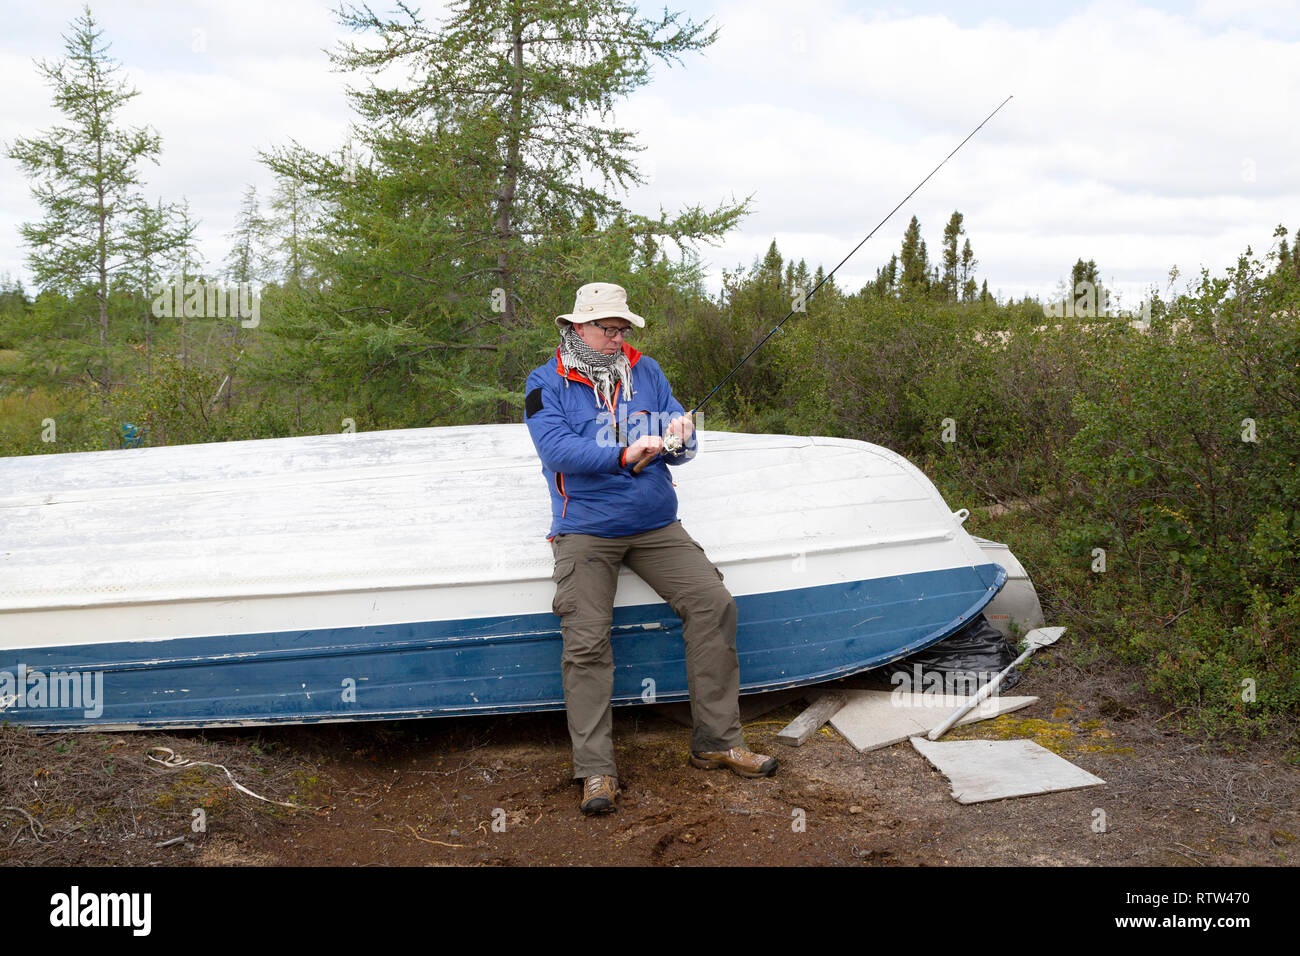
[{"x": 606, "y": 514}]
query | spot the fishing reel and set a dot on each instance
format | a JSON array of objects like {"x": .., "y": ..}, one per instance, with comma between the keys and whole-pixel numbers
[
  {"x": 673, "y": 442},
  {"x": 672, "y": 445}
]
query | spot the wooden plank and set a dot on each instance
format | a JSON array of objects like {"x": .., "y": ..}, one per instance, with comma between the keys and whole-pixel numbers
[{"x": 795, "y": 733}]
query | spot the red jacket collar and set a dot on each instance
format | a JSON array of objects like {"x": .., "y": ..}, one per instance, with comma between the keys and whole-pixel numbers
[{"x": 633, "y": 356}]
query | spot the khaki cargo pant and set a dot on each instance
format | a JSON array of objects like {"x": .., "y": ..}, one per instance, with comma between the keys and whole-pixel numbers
[{"x": 670, "y": 561}]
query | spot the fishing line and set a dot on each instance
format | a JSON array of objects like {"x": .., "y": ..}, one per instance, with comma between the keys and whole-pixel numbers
[{"x": 776, "y": 328}]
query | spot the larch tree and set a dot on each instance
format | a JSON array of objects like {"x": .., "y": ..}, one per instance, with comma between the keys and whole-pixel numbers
[
  {"x": 293, "y": 212},
  {"x": 247, "y": 260},
  {"x": 485, "y": 181},
  {"x": 154, "y": 236},
  {"x": 84, "y": 177}
]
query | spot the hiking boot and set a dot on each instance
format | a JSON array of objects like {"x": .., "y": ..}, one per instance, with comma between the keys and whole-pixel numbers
[
  {"x": 738, "y": 760},
  {"x": 598, "y": 793}
]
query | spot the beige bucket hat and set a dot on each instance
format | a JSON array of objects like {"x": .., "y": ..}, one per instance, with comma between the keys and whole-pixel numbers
[{"x": 600, "y": 300}]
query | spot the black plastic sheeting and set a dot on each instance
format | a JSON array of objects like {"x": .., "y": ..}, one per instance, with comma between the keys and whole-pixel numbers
[{"x": 963, "y": 662}]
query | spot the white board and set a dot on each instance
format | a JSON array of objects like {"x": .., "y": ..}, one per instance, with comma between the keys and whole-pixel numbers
[
  {"x": 981, "y": 770},
  {"x": 872, "y": 719}
]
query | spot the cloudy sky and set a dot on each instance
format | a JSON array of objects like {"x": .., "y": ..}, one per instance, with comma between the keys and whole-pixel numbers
[{"x": 1142, "y": 134}]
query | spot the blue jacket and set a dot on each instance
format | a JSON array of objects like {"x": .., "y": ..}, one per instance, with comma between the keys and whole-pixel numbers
[{"x": 581, "y": 445}]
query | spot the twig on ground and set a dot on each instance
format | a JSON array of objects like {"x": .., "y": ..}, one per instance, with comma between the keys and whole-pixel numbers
[
  {"x": 31, "y": 821},
  {"x": 437, "y": 842}
]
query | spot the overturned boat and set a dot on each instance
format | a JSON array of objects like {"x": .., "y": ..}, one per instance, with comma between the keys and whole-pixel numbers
[{"x": 392, "y": 574}]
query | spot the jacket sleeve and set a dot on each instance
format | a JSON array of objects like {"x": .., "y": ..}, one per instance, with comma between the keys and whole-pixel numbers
[{"x": 558, "y": 444}]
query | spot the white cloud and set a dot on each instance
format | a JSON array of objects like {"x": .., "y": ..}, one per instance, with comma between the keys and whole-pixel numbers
[
  {"x": 218, "y": 81},
  {"x": 1136, "y": 137},
  {"x": 1271, "y": 15}
]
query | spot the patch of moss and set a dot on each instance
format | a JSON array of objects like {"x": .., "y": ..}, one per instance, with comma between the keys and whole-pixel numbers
[
  {"x": 1058, "y": 736},
  {"x": 309, "y": 790}
]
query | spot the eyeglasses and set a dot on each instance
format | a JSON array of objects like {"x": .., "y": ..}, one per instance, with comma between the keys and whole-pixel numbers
[{"x": 612, "y": 332}]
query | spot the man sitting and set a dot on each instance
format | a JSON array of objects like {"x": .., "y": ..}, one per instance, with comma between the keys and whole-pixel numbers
[{"x": 606, "y": 514}]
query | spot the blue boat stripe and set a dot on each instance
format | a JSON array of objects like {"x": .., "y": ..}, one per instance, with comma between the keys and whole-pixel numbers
[{"x": 495, "y": 665}]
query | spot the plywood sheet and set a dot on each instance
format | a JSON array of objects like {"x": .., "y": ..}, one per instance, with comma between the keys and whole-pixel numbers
[
  {"x": 981, "y": 770},
  {"x": 872, "y": 719}
]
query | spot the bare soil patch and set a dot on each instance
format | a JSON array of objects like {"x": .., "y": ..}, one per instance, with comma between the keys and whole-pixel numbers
[{"x": 497, "y": 792}]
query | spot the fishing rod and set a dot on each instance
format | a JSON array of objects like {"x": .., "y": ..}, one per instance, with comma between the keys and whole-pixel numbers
[{"x": 672, "y": 442}]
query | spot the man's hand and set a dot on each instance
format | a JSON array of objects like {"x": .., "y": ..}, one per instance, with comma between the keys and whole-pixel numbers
[
  {"x": 683, "y": 427},
  {"x": 647, "y": 447}
]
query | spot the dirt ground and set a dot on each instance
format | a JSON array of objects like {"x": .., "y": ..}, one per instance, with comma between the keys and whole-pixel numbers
[{"x": 496, "y": 791}]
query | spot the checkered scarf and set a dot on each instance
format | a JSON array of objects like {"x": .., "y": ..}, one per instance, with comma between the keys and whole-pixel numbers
[{"x": 606, "y": 371}]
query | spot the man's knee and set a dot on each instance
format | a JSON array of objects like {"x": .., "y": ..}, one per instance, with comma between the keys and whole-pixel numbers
[
  {"x": 586, "y": 641},
  {"x": 710, "y": 603}
]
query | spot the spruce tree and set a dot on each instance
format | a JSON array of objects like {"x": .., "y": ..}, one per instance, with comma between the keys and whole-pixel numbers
[
  {"x": 967, "y": 273},
  {"x": 770, "y": 267},
  {"x": 887, "y": 277},
  {"x": 951, "y": 280},
  {"x": 915, "y": 279},
  {"x": 1085, "y": 290}
]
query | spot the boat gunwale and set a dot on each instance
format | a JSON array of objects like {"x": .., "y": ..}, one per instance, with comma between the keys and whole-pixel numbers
[{"x": 544, "y": 572}]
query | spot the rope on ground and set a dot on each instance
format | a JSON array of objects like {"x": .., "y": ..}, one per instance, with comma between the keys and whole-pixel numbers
[
  {"x": 760, "y": 723},
  {"x": 174, "y": 761}
]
